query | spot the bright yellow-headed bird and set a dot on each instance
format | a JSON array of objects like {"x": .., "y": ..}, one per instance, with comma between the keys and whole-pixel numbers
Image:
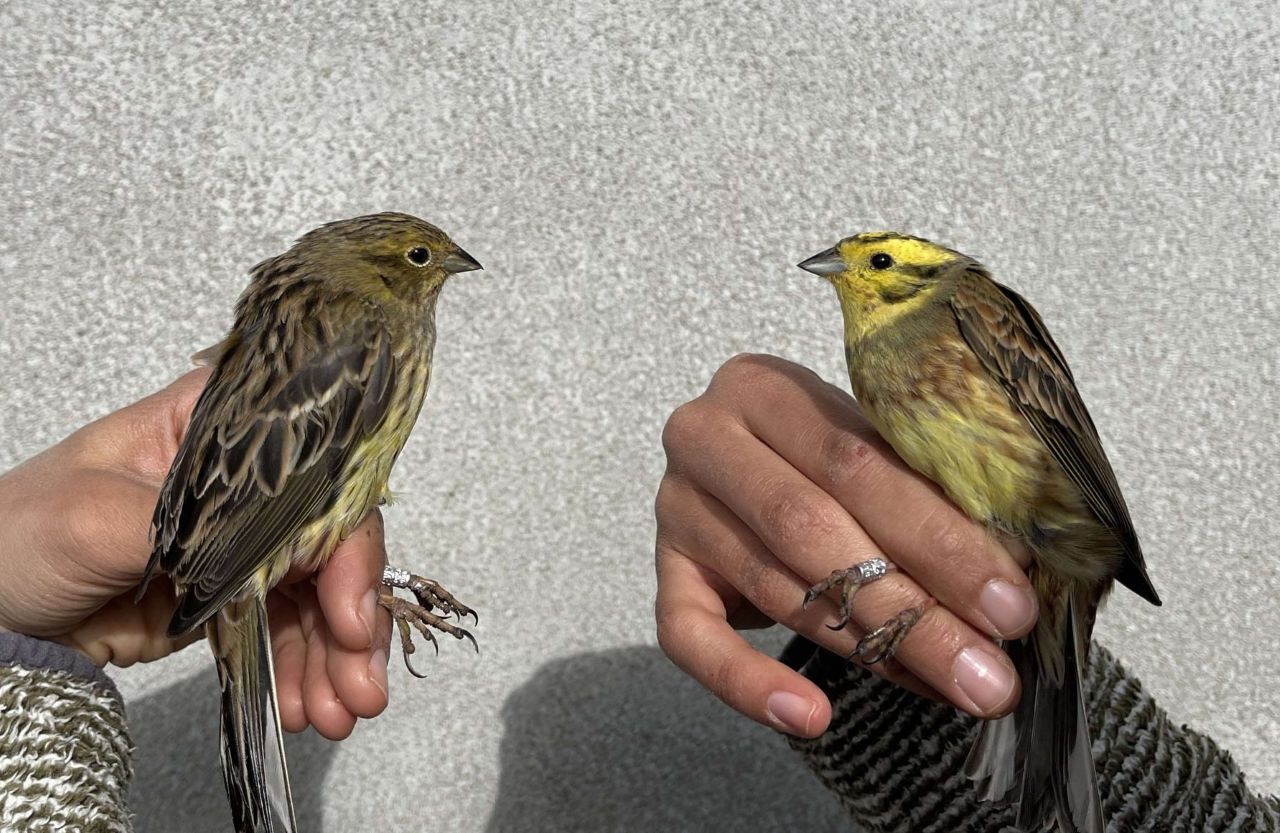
[
  {"x": 313, "y": 394},
  {"x": 961, "y": 377}
]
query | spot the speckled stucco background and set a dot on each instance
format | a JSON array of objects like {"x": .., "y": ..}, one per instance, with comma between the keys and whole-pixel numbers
[{"x": 638, "y": 178}]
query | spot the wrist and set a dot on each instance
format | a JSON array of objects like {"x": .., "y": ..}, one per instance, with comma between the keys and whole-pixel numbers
[{"x": 43, "y": 655}]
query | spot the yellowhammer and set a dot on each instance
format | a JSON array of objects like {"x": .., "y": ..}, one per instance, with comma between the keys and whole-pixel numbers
[
  {"x": 313, "y": 394},
  {"x": 961, "y": 377}
]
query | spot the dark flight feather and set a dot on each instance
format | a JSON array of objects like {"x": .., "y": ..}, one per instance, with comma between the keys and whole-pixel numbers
[
  {"x": 1013, "y": 344},
  {"x": 229, "y": 505}
]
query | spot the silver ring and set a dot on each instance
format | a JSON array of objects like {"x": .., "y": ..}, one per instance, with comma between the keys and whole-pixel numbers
[
  {"x": 871, "y": 569},
  {"x": 395, "y": 577}
]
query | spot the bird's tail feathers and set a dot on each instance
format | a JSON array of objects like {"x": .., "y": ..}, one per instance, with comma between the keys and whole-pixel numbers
[
  {"x": 1038, "y": 757},
  {"x": 253, "y": 762}
]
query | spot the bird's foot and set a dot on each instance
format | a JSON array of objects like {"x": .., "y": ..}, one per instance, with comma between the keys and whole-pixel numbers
[
  {"x": 879, "y": 644},
  {"x": 429, "y": 593},
  {"x": 431, "y": 596},
  {"x": 848, "y": 581}
]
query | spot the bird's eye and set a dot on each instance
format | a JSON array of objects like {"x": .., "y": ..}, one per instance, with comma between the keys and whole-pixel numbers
[
  {"x": 419, "y": 256},
  {"x": 880, "y": 260}
]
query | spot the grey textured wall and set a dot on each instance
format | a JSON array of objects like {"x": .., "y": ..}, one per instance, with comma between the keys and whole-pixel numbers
[{"x": 638, "y": 179}]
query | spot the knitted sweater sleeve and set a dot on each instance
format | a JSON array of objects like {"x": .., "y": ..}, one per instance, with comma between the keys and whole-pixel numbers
[
  {"x": 895, "y": 760},
  {"x": 64, "y": 750}
]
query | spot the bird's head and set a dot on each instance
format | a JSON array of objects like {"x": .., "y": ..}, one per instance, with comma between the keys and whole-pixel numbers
[
  {"x": 882, "y": 274},
  {"x": 386, "y": 256}
]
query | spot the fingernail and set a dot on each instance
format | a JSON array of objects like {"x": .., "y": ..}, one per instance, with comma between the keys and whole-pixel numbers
[
  {"x": 378, "y": 669},
  {"x": 982, "y": 678},
  {"x": 791, "y": 712},
  {"x": 369, "y": 611},
  {"x": 1010, "y": 609}
]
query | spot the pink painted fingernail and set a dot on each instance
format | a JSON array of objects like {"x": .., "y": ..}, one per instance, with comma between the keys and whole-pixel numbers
[
  {"x": 1009, "y": 608},
  {"x": 985, "y": 680},
  {"x": 791, "y": 712},
  {"x": 369, "y": 611},
  {"x": 378, "y": 669}
]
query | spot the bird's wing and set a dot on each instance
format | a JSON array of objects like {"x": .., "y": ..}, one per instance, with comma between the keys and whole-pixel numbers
[
  {"x": 1013, "y": 344},
  {"x": 261, "y": 459}
]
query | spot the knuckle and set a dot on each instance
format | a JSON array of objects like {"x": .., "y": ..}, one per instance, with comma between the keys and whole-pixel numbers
[
  {"x": 938, "y": 640},
  {"x": 945, "y": 534},
  {"x": 878, "y": 602},
  {"x": 683, "y": 427},
  {"x": 944, "y": 638},
  {"x": 81, "y": 521},
  {"x": 722, "y": 677},
  {"x": 78, "y": 447},
  {"x": 750, "y": 371},
  {"x": 670, "y": 623},
  {"x": 752, "y": 580},
  {"x": 953, "y": 544},
  {"x": 902, "y": 592},
  {"x": 792, "y": 518},
  {"x": 766, "y": 588},
  {"x": 664, "y": 550},
  {"x": 849, "y": 457},
  {"x": 744, "y": 367},
  {"x": 664, "y": 503},
  {"x": 693, "y": 432},
  {"x": 773, "y": 596}
]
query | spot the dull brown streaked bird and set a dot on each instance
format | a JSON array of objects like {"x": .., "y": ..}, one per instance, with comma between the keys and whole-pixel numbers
[
  {"x": 312, "y": 396},
  {"x": 960, "y": 375}
]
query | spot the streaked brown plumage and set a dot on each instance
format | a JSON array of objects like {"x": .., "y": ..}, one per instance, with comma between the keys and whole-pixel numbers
[
  {"x": 313, "y": 394},
  {"x": 961, "y": 377}
]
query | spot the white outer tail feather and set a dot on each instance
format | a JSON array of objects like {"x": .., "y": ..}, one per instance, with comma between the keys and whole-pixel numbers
[{"x": 253, "y": 760}]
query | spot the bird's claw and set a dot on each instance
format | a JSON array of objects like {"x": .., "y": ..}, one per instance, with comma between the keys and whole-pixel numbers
[
  {"x": 431, "y": 595},
  {"x": 409, "y": 616},
  {"x": 881, "y": 643},
  {"x": 849, "y": 580}
]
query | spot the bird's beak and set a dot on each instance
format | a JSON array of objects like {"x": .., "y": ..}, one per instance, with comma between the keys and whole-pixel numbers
[
  {"x": 460, "y": 261},
  {"x": 825, "y": 263}
]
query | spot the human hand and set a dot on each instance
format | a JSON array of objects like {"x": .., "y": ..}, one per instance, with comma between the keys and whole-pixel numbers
[
  {"x": 75, "y": 542},
  {"x": 775, "y": 479}
]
